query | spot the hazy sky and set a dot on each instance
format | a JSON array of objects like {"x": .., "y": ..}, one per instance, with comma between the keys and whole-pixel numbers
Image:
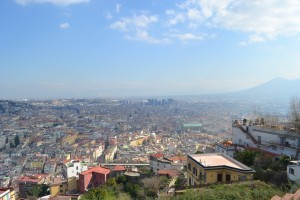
[{"x": 94, "y": 48}]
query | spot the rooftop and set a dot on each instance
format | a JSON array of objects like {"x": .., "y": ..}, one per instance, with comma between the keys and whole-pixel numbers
[
  {"x": 192, "y": 125},
  {"x": 217, "y": 160},
  {"x": 96, "y": 169},
  {"x": 36, "y": 178}
]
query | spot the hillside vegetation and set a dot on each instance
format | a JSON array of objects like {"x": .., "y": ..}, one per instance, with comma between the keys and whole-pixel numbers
[{"x": 257, "y": 190}]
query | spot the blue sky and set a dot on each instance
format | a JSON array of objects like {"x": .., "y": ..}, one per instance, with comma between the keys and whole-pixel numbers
[{"x": 96, "y": 48}]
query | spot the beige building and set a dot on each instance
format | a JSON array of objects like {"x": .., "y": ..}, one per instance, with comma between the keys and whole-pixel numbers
[{"x": 214, "y": 167}]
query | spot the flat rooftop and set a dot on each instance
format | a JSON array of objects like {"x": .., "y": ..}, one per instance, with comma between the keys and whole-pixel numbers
[
  {"x": 217, "y": 160},
  {"x": 192, "y": 125}
]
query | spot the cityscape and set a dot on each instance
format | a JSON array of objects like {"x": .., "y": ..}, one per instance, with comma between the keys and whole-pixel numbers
[{"x": 149, "y": 100}]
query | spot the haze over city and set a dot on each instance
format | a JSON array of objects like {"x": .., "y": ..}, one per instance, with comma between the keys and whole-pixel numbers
[{"x": 93, "y": 48}]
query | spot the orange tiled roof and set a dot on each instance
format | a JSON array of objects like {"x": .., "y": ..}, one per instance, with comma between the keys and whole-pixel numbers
[
  {"x": 36, "y": 178},
  {"x": 119, "y": 168},
  {"x": 157, "y": 155},
  {"x": 97, "y": 169},
  {"x": 170, "y": 172}
]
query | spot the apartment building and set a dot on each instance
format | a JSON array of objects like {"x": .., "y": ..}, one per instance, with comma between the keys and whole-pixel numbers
[
  {"x": 293, "y": 171},
  {"x": 72, "y": 168},
  {"x": 212, "y": 168},
  {"x": 276, "y": 139}
]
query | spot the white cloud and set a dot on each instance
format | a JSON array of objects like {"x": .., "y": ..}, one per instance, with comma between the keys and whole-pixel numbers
[
  {"x": 64, "y": 25},
  {"x": 118, "y": 8},
  {"x": 137, "y": 28},
  {"x": 188, "y": 36},
  {"x": 56, "y": 2},
  {"x": 263, "y": 20},
  {"x": 143, "y": 35},
  {"x": 135, "y": 22}
]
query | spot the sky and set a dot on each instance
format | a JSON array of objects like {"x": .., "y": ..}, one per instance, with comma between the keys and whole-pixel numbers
[{"x": 103, "y": 48}]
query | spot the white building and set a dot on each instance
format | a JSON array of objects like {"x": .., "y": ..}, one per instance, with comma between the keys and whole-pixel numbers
[
  {"x": 163, "y": 162},
  {"x": 293, "y": 171},
  {"x": 73, "y": 168},
  {"x": 276, "y": 140},
  {"x": 225, "y": 148}
]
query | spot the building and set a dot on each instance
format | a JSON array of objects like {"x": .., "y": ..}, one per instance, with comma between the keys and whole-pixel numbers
[
  {"x": 69, "y": 139},
  {"x": 7, "y": 194},
  {"x": 293, "y": 171},
  {"x": 26, "y": 182},
  {"x": 212, "y": 168},
  {"x": 226, "y": 148},
  {"x": 93, "y": 177},
  {"x": 165, "y": 162},
  {"x": 279, "y": 140},
  {"x": 118, "y": 170},
  {"x": 110, "y": 153},
  {"x": 72, "y": 168},
  {"x": 112, "y": 140},
  {"x": 192, "y": 127},
  {"x": 58, "y": 186},
  {"x": 34, "y": 165}
]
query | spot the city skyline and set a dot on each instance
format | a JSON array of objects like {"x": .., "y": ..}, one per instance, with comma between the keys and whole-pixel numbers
[{"x": 92, "y": 48}]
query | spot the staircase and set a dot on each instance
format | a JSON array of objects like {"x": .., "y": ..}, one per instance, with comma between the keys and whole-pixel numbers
[{"x": 248, "y": 134}]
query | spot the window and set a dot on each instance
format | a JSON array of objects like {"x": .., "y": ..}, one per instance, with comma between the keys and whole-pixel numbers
[
  {"x": 291, "y": 171},
  {"x": 189, "y": 167},
  {"x": 60, "y": 186},
  {"x": 228, "y": 177}
]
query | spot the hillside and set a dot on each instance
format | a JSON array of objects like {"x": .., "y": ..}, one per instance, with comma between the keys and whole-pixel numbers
[{"x": 238, "y": 191}]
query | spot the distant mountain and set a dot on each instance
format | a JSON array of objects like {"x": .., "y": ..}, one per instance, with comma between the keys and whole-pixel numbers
[{"x": 277, "y": 89}]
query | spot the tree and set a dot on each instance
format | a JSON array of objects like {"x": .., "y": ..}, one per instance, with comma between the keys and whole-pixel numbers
[
  {"x": 151, "y": 186},
  {"x": 101, "y": 193},
  {"x": 132, "y": 189},
  {"x": 37, "y": 191},
  {"x": 295, "y": 109},
  {"x": 163, "y": 182},
  {"x": 246, "y": 157},
  {"x": 111, "y": 182},
  {"x": 121, "y": 179}
]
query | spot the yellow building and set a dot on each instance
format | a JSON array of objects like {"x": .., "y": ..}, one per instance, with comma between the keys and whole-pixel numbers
[
  {"x": 58, "y": 187},
  {"x": 7, "y": 194},
  {"x": 61, "y": 186},
  {"x": 69, "y": 139},
  {"x": 214, "y": 167},
  {"x": 137, "y": 142},
  {"x": 72, "y": 184}
]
